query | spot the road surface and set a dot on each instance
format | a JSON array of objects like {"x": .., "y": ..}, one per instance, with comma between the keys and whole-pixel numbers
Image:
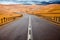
[
  {"x": 16, "y": 30},
  {"x": 44, "y": 30},
  {"x": 41, "y": 29}
]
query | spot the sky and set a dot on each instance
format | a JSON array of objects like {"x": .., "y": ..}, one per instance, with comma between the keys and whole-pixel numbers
[
  {"x": 24, "y": 0},
  {"x": 17, "y": 1}
]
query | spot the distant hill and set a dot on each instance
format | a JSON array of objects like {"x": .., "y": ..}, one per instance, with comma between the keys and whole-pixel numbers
[
  {"x": 52, "y": 8},
  {"x": 19, "y": 8},
  {"x": 50, "y": 2}
]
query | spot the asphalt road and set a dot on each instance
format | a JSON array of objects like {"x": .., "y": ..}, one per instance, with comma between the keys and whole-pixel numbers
[
  {"x": 16, "y": 30},
  {"x": 41, "y": 29},
  {"x": 44, "y": 30}
]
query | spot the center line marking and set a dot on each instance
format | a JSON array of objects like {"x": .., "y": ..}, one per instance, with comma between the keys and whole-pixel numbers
[{"x": 30, "y": 37}]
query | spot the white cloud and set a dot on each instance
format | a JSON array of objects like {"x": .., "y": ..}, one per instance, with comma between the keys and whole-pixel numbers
[
  {"x": 17, "y": 1},
  {"x": 8, "y": 2},
  {"x": 25, "y": 0}
]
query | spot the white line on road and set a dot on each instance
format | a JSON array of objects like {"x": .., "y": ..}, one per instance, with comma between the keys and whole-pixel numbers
[{"x": 30, "y": 37}]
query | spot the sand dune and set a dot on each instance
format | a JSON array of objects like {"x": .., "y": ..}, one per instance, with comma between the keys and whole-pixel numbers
[{"x": 31, "y": 9}]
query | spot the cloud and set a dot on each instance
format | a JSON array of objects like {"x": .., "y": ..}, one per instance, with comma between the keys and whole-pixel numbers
[
  {"x": 24, "y": 0},
  {"x": 18, "y": 1}
]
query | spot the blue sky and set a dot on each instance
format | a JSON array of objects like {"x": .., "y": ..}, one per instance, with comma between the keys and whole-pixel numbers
[
  {"x": 23, "y": 0},
  {"x": 17, "y": 1}
]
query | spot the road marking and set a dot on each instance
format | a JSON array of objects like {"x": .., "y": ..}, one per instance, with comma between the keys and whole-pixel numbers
[{"x": 30, "y": 37}]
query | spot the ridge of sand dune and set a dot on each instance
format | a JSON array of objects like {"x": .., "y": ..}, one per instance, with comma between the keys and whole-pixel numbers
[
  {"x": 32, "y": 9},
  {"x": 52, "y": 8}
]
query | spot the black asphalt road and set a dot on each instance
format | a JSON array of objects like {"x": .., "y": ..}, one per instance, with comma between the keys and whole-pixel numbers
[
  {"x": 41, "y": 29},
  {"x": 44, "y": 30},
  {"x": 16, "y": 30}
]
